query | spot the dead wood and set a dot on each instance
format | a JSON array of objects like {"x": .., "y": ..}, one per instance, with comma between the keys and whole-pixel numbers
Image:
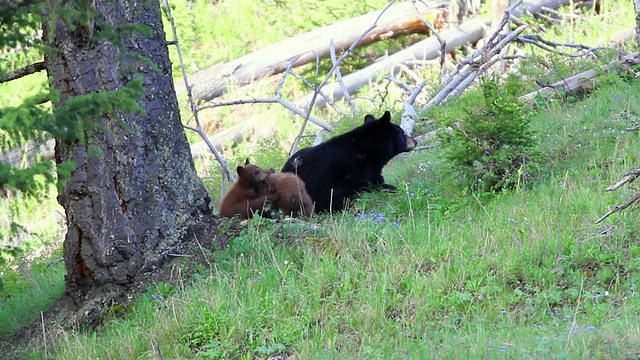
[
  {"x": 399, "y": 19},
  {"x": 427, "y": 49},
  {"x": 619, "y": 208},
  {"x": 533, "y": 7},
  {"x": 585, "y": 81},
  {"x": 628, "y": 177},
  {"x": 24, "y": 71}
]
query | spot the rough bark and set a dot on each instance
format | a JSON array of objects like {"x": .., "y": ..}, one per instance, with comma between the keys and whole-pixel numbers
[
  {"x": 137, "y": 201},
  {"x": 636, "y": 5}
]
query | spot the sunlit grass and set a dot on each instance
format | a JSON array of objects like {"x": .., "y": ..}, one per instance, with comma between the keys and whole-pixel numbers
[
  {"x": 427, "y": 272},
  {"x": 420, "y": 274}
]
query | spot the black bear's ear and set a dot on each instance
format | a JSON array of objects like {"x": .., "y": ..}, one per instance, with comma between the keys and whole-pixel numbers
[
  {"x": 240, "y": 170},
  {"x": 386, "y": 117},
  {"x": 247, "y": 162},
  {"x": 369, "y": 118}
]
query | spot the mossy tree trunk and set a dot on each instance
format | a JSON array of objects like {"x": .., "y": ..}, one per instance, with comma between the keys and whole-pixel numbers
[{"x": 134, "y": 199}]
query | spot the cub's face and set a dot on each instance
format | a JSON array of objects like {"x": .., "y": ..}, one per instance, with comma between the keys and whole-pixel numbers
[{"x": 253, "y": 173}]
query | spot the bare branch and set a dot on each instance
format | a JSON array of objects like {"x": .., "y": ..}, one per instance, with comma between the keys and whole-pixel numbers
[
  {"x": 628, "y": 177},
  {"x": 584, "y": 81},
  {"x": 619, "y": 208},
  {"x": 284, "y": 76},
  {"x": 550, "y": 46},
  {"x": 286, "y": 104},
  {"x": 24, "y": 71},
  {"x": 330, "y": 72},
  {"x": 443, "y": 42},
  {"x": 194, "y": 110},
  {"x": 340, "y": 81}
]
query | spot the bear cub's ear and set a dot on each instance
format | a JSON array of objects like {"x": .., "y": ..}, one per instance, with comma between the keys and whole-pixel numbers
[{"x": 240, "y": 170}]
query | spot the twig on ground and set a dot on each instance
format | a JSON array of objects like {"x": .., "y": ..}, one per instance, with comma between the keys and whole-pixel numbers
[
  {"x": 44, "y": 333},
  {"x": 619, "y": 208},
  {"x": 627, "y": 177}
]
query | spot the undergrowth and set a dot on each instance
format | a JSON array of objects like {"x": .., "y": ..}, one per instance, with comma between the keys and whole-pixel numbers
[
  {"x": 422, "y": 273},
  {"x": 431, "y": 271}
]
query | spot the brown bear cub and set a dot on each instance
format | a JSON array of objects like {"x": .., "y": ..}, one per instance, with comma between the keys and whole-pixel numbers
[
  {"x": 249, "y": 194},
  {"x": 293, "y": 198}
]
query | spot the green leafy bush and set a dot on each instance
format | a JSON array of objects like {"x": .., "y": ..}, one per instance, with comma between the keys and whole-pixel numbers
[{"x": 489, "y": 140}]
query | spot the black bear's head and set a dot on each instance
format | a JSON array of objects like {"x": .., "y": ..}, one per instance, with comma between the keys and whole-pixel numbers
[{"x": 386, "y": 138}]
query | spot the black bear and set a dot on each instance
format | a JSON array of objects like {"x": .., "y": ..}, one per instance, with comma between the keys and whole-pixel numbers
[
  {"x": 337, "y": 170},
  {"x": 249, "y": 194}
]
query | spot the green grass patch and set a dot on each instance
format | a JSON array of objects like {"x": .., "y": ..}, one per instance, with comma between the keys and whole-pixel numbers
[{"x": 431, "y": 271}]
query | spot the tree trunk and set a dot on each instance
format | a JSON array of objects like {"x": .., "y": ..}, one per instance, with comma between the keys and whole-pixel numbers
[
  {"x": 134, "y": 200},
  {"x": 636, "y": 5}
]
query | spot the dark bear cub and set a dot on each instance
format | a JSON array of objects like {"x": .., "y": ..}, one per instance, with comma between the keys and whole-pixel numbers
[
  {"x": 249, "y": 194},
  {"x": 337, "y": 170}
]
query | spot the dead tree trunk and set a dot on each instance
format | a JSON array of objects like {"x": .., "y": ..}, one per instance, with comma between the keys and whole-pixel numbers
[
  {"x": 584, "y": 82},
  {"x": 134, "y": 200},
  {"x": 426, "y": 49},
  {"x": 398, "y": 20}
]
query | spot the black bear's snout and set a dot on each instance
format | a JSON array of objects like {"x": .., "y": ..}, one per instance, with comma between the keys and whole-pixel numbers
[{"x": 411, "y": 143}]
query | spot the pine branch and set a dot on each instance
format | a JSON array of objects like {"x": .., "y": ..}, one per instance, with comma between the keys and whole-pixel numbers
[{"x": 13, "y": 5}]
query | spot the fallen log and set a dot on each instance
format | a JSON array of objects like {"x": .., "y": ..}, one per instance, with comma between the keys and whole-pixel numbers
[
  {"x": 584, "y": 82},
  {"x": 28, "y": 153},
  {"x": 426, "y": 49},
  {"x": 399, "y": 19}
]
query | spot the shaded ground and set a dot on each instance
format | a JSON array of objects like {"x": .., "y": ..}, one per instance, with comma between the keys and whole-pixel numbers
[{"x": 64, "y": 317}]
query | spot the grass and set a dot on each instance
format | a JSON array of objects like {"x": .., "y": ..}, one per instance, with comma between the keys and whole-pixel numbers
[
  {"x": 421, "y": 274},
  {"x": 428, "y": 272}
]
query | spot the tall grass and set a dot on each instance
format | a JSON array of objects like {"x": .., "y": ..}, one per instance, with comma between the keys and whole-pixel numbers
[
  {"x": 427, "y": 272},
  {"x": 526, "y": 274}
]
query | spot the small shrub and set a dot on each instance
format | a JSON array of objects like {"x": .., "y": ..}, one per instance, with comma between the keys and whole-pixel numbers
[{"x": 489, "y": 141}]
